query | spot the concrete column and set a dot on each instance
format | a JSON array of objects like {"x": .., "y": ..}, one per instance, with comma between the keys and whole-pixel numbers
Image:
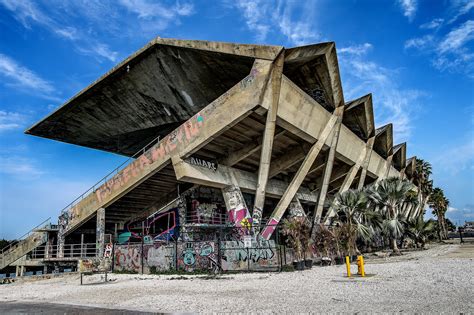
[
  {"x": 61, "y": 241},
  {"x": 236, "y": 208},
  {"x": 17, "y": 271},
  {"x": 267, "y": 145},
  {"x": 49, "y": 246},
  {"x": 100, "y": 232},
  {"x": 327, "y": 173},
  {"x": 363, "y": 174}
]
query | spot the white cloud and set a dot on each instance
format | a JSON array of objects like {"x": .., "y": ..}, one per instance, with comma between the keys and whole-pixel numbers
[
  {"x": 21, "y": 77},
  {"x": 261, "y": 17},
  {"x": 19, "y": 167},
  {"x": 154, "y": 16},
  {"x": 11, "y": 120},
  {"x": 29, "y": 12},
  {"x": 392, "y": 103},
  {"x": 460, "y": 8},
  {"x": 420, "y": 42},
  {"x": 356, "y": 50},
  {"x": 456, "y": 38},
  {"x": 101, "y": 51},
  {"x": 449, "y": 51},
  {"x": 433, "y": 24},
  {"x": 457, "y": 159},
  {"x": 409, "y": 8}
]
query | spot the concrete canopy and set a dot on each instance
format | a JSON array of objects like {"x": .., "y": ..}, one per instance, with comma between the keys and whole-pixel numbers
[
  {"x": 399, "y": 156},
  {"x": 383, "y": 144},
  {"x": 150, "y": 94},
  {"x": 359, "y": 117}
]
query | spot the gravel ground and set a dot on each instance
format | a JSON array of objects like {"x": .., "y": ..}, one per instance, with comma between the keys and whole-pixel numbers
[{"x": 424, "y": 281}]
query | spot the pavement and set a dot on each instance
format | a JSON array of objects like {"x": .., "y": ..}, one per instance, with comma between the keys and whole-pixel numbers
[{"x": 14, "y": 307}]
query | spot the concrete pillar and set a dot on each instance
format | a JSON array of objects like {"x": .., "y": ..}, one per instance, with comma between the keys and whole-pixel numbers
[
  {"x": 236, "y": 208},
  {"x": 17, "y": 271},
  {"x": 49, "y": 246},
  {"x": 100, "y": 232},
  {"x": 45, "y": 269},
  {"x": 327, "y": 173},
  {"x": 61, "y": 241}
]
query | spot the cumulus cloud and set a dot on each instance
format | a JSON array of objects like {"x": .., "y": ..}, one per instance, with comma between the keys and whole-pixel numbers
[
  {"x": 261, "y": 17},
  {"x": 409, "y": 8}
]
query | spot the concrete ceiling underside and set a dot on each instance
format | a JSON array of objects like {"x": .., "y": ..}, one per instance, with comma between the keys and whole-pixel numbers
[{"x": 149, "y": 96}]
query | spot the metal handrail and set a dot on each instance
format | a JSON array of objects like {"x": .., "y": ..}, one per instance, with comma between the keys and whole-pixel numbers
[
  {"x": 114, "y": 171},
  {"x": 19, "y": 239}
]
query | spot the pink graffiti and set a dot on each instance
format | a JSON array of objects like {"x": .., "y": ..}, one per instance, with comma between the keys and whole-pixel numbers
[
  {"x": 182, "y": 135},
  {"x": 269, "y": 229}
]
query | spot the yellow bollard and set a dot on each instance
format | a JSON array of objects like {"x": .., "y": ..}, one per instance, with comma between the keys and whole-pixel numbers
[
  {"x": 348, "y": 266},
  {"x": 360, "y": 266}
]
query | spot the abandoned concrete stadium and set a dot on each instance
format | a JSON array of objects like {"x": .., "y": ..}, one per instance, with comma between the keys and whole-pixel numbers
[{"x": 224, "y": 140}]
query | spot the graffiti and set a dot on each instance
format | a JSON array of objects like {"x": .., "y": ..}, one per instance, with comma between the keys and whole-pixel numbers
[
  {"x": 128, "y": 257},
  {"x": 248, "y": 80},
  {"x": 296, "y": 209},
  {"x": 236, "y": 208},
  {"x": 258, "y": 251},
  {"x": 198, "y": 162},
  {"x": 198, "y": 256},
  {"x": 108, "y": 251},
  {"x": 189, "y": 258},
  {"x": 269, "y": 229},
  {"x": 182, "y": 135}
]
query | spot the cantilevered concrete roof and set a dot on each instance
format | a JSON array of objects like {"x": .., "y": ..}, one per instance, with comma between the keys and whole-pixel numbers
[
  {"x": 168, "y": 81},
  {"x": 359, "y": 117},
  {"x": 383, "y": 144},
  {"x": 150, "y": 93}
]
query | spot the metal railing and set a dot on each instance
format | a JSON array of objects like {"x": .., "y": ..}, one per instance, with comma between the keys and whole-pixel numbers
[
  {"x": 212, "y": 219},
  {"x": 85, "y": 250},
  {"x": 114, "y": 172},
  {"x": 17, "y": 241}
]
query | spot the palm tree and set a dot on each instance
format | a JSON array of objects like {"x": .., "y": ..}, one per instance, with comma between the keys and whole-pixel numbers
[
  {"x": 389, "y": 196},
  {"x": 351, "y": 207},
  {"x": 419, "y": 230},
  {"x": 439, "y": 203},
  {"x": 421, "y": 179}
]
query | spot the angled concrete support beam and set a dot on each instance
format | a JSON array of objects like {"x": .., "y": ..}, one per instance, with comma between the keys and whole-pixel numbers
[
  {"x": 299, "y": 176},
  {"x": 329, "y": 164},
  {"x": 211, "y": 121},
  {"x": 365, "y": 165},
  {"x": 246, "y": 181},
  {"x": 249, "y": 149},
  {"x": 273, "y": 92}
]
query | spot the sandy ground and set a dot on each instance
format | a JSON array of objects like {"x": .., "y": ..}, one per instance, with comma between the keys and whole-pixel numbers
[{"x": 440, "y": 279}]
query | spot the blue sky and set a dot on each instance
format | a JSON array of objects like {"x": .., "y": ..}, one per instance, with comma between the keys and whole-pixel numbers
[{"x": 416, "y": 57}]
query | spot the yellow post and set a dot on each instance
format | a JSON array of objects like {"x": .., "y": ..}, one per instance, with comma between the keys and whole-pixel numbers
[
  {"x": 362, "y": 268},
  {"x": 348, "y": 266}
]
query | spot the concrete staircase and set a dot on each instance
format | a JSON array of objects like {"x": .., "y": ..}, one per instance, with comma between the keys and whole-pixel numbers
[{"x": 24, "y": 245}]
